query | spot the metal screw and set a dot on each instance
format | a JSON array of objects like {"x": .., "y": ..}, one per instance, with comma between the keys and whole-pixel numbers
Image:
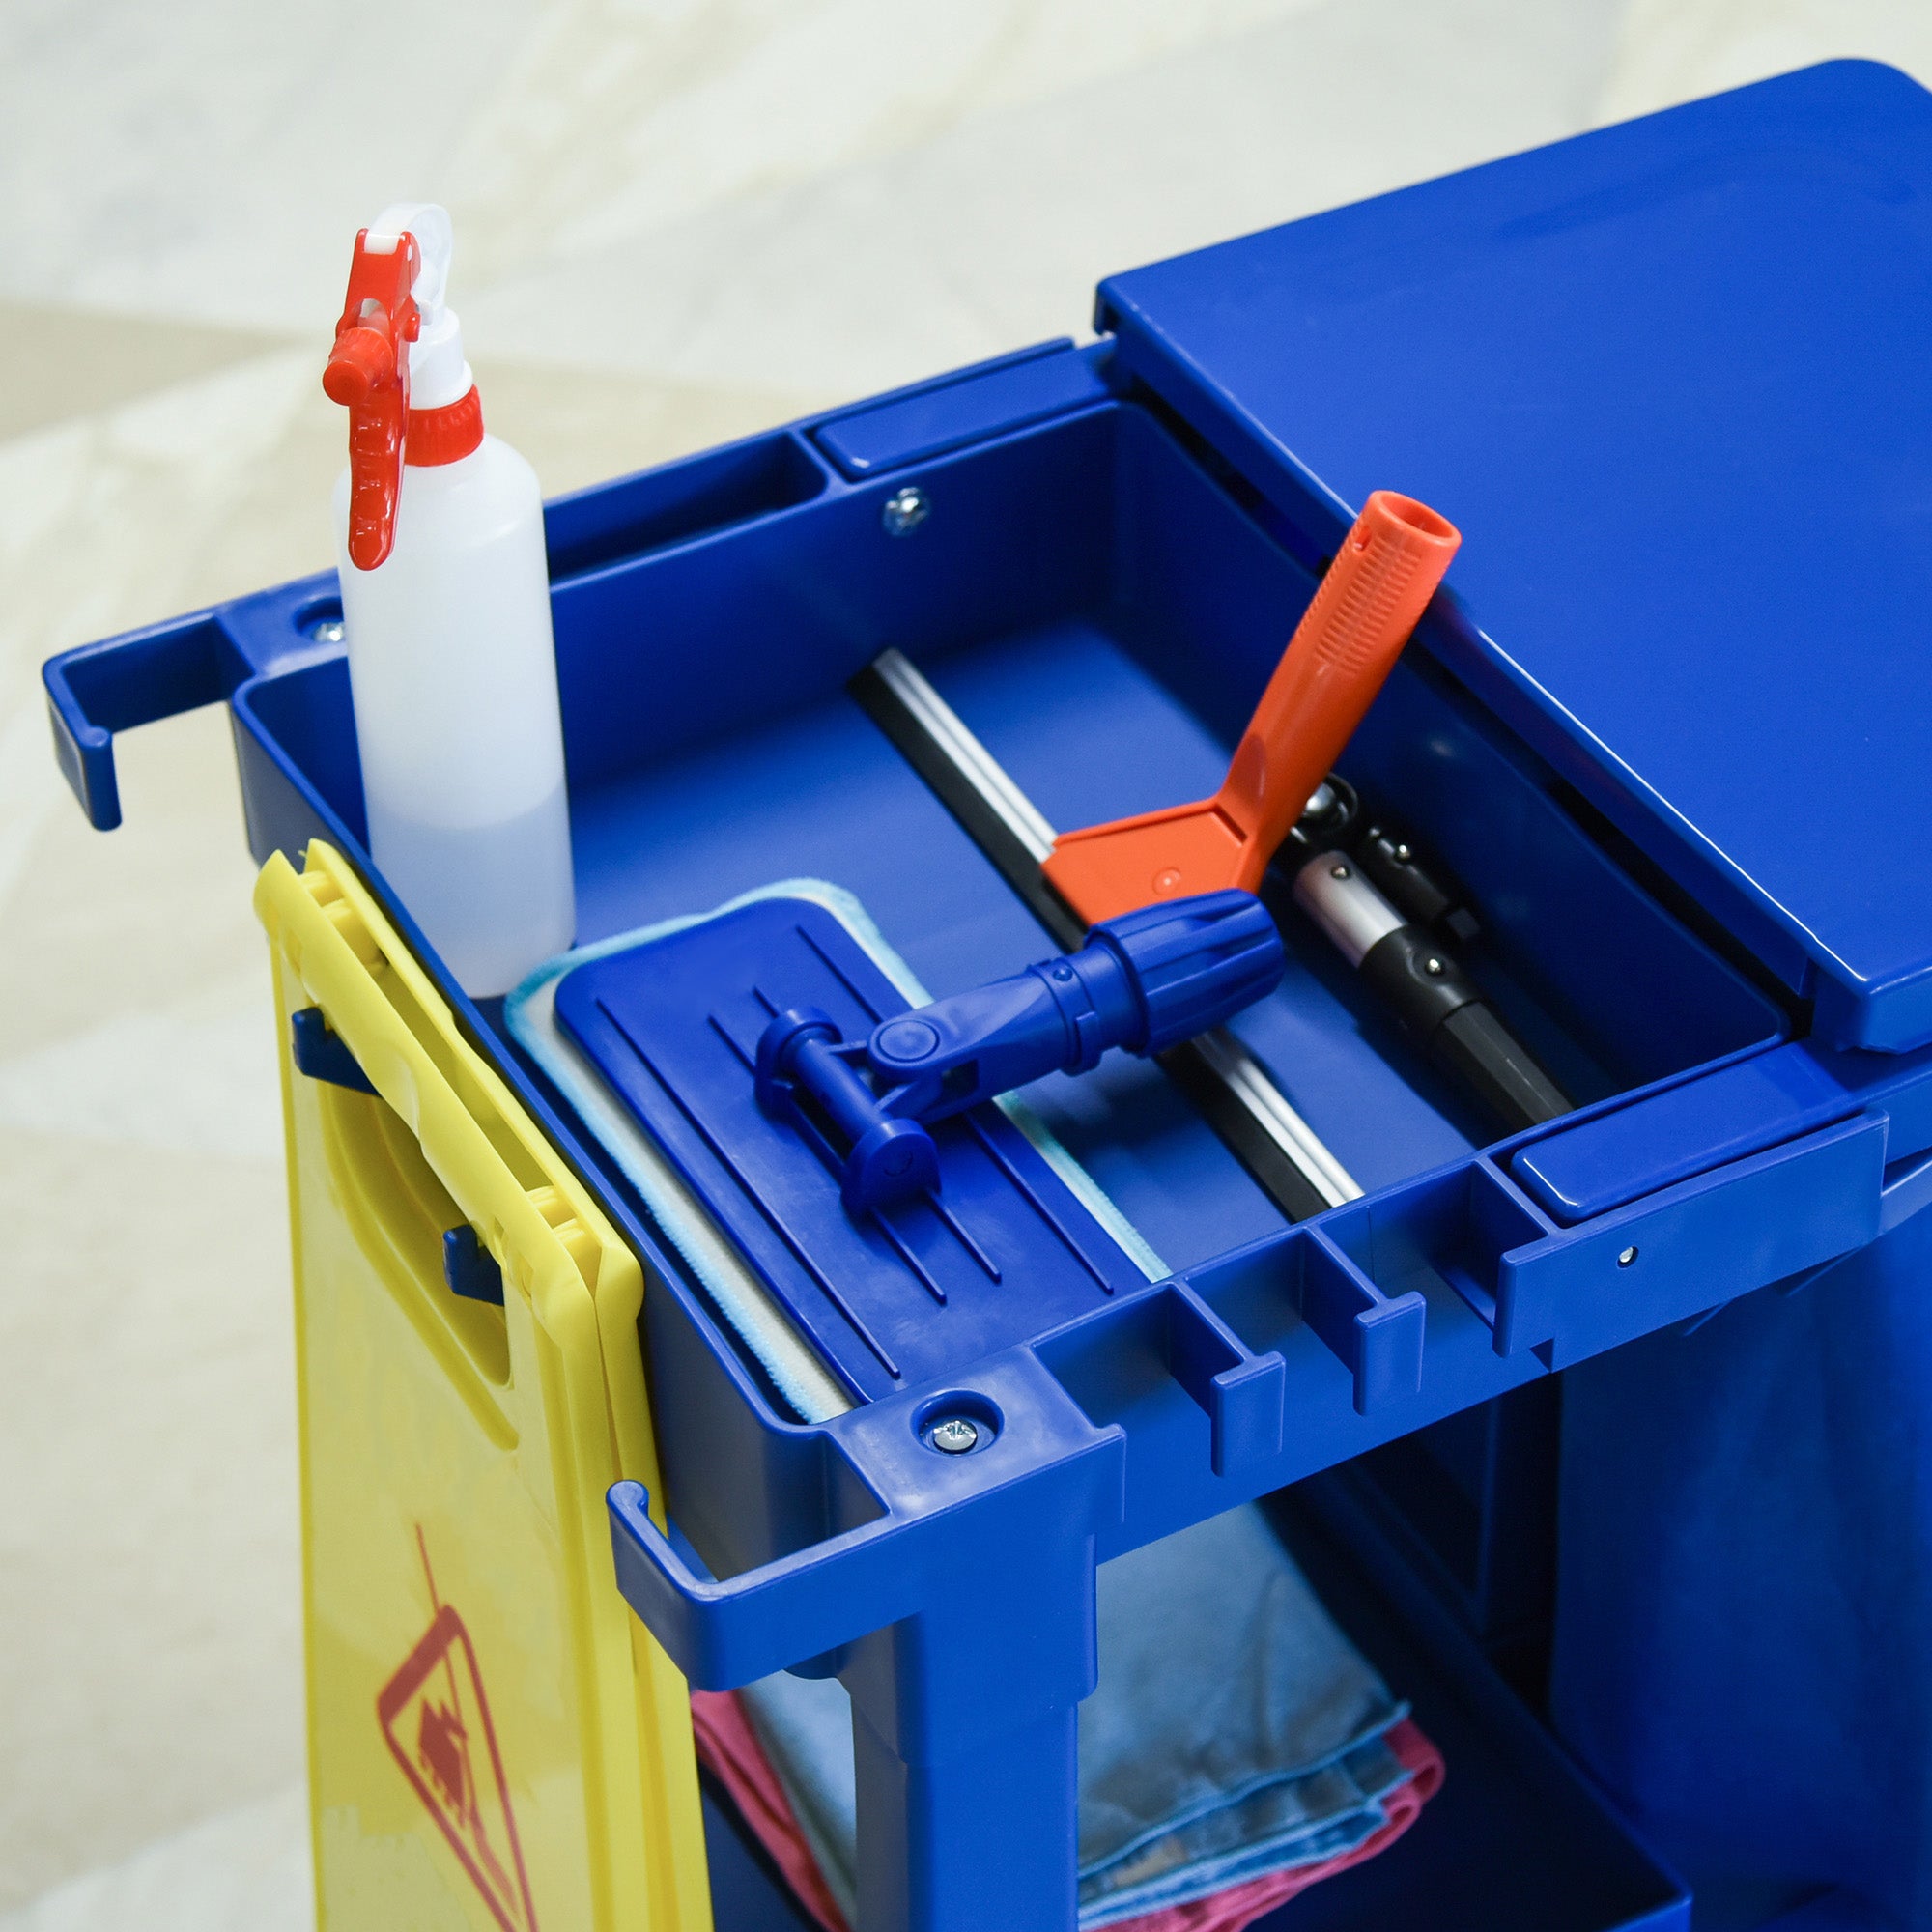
[
  {"x": 1338, "y": 872},
  {"x": 328, "y": 632},
  {"x": 953, "y": 1436},
  {"x": 1625, "y": 1259},
  {"x": 1433, "y": 967},
  {"x": 905, "y": 512},
  {"x": 1403, "y": 855}
]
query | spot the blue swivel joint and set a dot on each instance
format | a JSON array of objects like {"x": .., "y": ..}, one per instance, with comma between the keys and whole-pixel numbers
[{"x": 1145, "y": 981}]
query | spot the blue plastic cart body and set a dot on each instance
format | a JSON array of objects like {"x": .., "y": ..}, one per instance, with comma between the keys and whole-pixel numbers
[{"x": 1667, "y": 727}]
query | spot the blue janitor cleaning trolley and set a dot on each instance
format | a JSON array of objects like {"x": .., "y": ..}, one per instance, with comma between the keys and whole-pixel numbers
[{"x": 1533, "y": 1227}]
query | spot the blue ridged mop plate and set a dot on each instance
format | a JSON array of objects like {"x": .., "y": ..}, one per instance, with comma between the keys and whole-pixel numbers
[{"x": 1002, "y": 1250}]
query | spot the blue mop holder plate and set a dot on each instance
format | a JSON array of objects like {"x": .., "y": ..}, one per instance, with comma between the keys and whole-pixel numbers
[{"x": 904, "y": 1289}]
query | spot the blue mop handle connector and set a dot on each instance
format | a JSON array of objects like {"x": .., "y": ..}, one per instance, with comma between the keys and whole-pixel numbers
[{"x": 1145, "y": 981}]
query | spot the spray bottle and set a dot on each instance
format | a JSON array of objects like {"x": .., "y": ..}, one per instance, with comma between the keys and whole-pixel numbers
[{"x": 445, "y": 607}]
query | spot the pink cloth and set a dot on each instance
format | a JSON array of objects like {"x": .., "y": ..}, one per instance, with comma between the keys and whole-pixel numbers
[{"x": 730, "y": 1750}]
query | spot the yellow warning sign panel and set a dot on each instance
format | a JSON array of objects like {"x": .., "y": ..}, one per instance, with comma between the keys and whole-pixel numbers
[
  {"x": 435, "y": 1714},
  {"x": 494, "y": 1742}
]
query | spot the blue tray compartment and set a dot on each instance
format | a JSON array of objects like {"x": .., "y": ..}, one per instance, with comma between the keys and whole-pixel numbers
[{"x": 1103, "y": 606}]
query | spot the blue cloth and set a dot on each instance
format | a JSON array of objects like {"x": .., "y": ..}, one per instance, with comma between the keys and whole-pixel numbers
[{"x": 1235, "y": 1731}]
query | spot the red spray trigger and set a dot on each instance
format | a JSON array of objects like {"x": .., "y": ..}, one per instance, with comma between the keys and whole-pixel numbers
[{"x": 368, "y": 372}]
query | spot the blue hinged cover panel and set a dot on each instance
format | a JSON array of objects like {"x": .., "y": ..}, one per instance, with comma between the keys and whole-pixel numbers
[{"x": 1671, "y": 381}]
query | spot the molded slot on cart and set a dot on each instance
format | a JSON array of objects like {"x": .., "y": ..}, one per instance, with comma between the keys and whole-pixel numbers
[
  {"x": 1265, "y": 1292},
  {"x": 1171, "y": 1335},
  {"x": 1449, "y": 1229},
  {"x": 694, "y": 498},
  {"x": 1377, "y": 1336},
  {"x": 1257, "y": 1289}
]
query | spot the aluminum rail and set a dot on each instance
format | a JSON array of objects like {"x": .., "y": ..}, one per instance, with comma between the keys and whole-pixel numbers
[{"x": 1231, "y": 1087}]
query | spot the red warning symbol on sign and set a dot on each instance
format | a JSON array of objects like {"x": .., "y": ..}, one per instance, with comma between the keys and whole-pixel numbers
[{"x": 436, "y": 1720}]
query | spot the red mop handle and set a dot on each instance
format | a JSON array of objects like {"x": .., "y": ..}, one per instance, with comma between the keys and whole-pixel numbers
[{"x": 1345, "y": 645}]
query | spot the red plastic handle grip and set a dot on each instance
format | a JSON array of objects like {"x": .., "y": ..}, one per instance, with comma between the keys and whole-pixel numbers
[{"x": 1345, "y": 646}]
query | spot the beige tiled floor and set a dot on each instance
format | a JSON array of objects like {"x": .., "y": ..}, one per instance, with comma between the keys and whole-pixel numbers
[{"x": 677, "y": 221}]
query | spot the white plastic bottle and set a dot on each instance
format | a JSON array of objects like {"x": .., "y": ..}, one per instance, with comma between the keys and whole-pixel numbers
[{"x": 446, "y": 605}]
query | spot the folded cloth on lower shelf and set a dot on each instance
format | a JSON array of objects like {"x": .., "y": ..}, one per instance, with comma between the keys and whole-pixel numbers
[
  {"x": 1237, "y": 1749},
  {"x": 732, "y": 1751}
]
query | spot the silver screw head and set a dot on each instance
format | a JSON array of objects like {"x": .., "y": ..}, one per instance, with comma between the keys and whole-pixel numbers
[
  {"x": 953, "y": 1436},
  {"x": 1338, "y": 872},
  {"x": 1432, "y": 966},
  {"x": 1625, "y": 1259},
  {"x": 905, "y": 511},
  {"x": 1403, "y": 855},
  {"x": 328, "y": 632}
]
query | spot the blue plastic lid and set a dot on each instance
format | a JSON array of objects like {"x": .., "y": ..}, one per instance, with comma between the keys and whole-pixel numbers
[{"x": 1674, "y": 380}]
